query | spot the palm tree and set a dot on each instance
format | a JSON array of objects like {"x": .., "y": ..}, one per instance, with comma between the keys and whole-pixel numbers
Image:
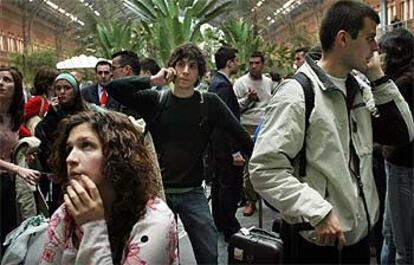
[
  {"x": 170, "y": 23},
  {"x": 114, "y": 36},
  {"x": 240, "y": 35}
]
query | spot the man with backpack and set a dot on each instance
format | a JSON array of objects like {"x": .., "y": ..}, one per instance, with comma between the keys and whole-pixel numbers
[
  {"x": 181, "y": 121},
  {"x": 317, "y": 168}
]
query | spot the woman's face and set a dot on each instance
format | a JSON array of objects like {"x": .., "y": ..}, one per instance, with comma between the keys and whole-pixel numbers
[
  {"x": 6, "y": 85},
  {"x": 64, "y": 92},
  {"x": 85, "y": 154}
]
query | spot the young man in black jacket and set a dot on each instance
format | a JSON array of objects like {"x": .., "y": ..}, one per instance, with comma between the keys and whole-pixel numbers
[{"x": 181, "y": 122}]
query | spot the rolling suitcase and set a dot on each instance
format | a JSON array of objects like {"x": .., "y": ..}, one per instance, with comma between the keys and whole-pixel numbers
[{"x": 255, "y": 246}]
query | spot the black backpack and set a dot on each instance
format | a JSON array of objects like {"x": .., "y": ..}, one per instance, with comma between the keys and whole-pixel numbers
[{"x": 309, "y": 94}]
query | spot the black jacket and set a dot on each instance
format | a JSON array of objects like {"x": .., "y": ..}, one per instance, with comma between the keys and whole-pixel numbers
[
  {"x": 402, "y": 155},
  {"x": 223, "y": 145},
  {"x": 90, "y": 94}
]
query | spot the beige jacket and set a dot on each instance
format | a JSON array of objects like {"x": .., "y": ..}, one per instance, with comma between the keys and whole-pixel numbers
[{"x": 330, "y": 183}]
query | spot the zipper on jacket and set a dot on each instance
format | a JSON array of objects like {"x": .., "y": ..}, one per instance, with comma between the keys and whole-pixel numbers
[{"x": 353, "y": 157}]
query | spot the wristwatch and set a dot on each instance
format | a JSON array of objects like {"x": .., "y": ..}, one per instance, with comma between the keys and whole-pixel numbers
[{"x": 380, "y": 81}]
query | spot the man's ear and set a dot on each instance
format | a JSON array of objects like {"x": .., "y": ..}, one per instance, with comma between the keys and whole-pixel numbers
[
  {"x": 128, "y": 69},
  {"x": 229, "y": 62},
  {"x": 342, "y": 39}
]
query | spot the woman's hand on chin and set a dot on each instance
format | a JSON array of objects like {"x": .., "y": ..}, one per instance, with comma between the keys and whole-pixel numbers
[{"x": 83, "y": 201}]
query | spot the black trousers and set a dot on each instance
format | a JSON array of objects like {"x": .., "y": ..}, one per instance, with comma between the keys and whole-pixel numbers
[
  {"x": 8, "y": 207},
  {"x": 226, "y": 192},
  {"x": 297, "y": 250}
]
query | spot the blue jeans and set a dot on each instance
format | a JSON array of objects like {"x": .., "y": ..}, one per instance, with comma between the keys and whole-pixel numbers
[
  {"x": 398, "y": 227},
  {"x": 194, "y": 212},
  {"x": 388, "y": 247}
]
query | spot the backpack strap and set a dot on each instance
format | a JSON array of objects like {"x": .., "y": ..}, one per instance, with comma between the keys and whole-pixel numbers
[
  {"x": 309, "y": 94},
  {"x": 203, "y": 112}
]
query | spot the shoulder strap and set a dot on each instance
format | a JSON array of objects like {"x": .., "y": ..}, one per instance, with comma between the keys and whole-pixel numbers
[
  {"x": 162, "y": 100},
  {"x": 309, "y": 94},
  {"x": 203, "y": 111}
]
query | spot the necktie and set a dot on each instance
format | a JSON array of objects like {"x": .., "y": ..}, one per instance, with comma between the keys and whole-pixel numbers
[{"x": 104, "y": 98}]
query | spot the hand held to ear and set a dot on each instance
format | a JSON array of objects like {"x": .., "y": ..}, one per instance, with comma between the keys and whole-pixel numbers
[{"x": 163, "y": 77}]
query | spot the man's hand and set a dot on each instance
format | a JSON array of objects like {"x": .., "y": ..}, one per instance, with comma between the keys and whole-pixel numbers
[
  {"x": 252, "y": 95},
  {"x": 374, "y": 70},
  {"x": 329, "y": 230},
  {"x": 163, "y": 77},
  {"x": 83, "y": 202},
  {"x": 238, "y": 160}
]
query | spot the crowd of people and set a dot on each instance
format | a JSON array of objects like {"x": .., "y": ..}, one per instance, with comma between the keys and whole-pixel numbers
[{"x": 115, "y": 163}]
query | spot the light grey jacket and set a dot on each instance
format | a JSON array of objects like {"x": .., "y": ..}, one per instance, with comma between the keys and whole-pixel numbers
[{"x": 330, "y": 182}]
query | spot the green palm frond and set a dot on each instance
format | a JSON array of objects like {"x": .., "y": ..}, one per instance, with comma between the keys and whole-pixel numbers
[{"x": 174, "y": 22}]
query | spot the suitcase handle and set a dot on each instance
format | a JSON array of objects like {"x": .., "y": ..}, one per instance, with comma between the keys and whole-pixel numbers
[{"x": 263, "y": 232}]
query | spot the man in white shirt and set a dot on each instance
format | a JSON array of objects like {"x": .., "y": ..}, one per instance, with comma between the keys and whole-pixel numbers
[{"x": 253, "y": 91}]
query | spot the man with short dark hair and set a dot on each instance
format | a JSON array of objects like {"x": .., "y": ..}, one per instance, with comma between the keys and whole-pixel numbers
[
  {"x": 332, "y": 195},
  {"x": 253, "y": 91},
  {"x": 96, "y": 93},
  {"x": 125, "y": 63},
  {"x": 181, "y": 122},
  {"x": 300, "y": 56},
  {"x": 149, "y": 67},
  {"x": 228, "y": 166}
]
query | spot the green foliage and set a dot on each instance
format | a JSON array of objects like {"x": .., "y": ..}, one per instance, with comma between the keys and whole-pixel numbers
[
  {"x": 114, "y": 36},
  {"x": 34, "y": 61},
  {"x": 240, "y": 34},
  {"x": 170, "y": 23},
  {"x": 281, "y": 59},
  {"x": 299, "y": 36},
  {"x": 210, "y": 44}
]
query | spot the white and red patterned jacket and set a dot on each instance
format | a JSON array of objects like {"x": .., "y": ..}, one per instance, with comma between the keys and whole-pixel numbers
[{"x": 153, "y": 239}]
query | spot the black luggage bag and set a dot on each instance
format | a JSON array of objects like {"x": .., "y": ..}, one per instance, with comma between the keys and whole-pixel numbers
[{"x": 255, "y": 246}]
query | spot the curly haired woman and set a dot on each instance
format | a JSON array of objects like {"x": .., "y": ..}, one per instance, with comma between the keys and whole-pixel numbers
[{"x": 109, "y": 215}]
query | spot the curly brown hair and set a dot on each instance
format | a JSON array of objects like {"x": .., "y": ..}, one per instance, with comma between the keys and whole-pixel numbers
[
  {"x": 189, "y": 51},
  {"x": 127, "y": 162}
]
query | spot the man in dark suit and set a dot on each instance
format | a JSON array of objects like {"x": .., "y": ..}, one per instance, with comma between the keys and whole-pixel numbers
[
  {"x": 227, "y": 184},
  {"x": 96, "y": 93}
]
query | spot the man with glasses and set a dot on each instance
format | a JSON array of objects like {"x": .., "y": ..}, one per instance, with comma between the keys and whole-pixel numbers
[{"x": 125, "y": 63}]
